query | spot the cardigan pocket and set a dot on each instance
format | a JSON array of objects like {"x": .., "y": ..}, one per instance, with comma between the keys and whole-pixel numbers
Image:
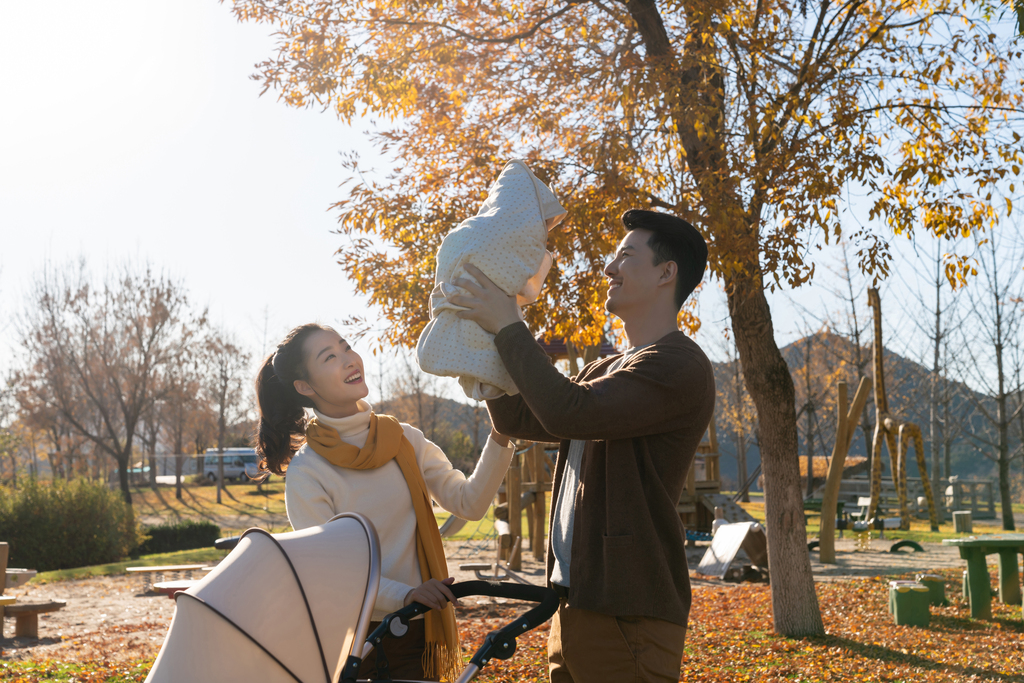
[{"x": 618, "y": 541}]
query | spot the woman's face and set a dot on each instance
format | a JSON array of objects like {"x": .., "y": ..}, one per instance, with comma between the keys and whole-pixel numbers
[{"x": 335, "y": 374}]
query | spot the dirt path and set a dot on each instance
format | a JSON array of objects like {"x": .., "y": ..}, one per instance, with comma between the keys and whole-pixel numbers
[{"x": 111, "y": 618}]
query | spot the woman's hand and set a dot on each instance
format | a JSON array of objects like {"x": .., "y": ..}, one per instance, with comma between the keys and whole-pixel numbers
[
  {"x": 488, "y": 306},
  {"x": 433, "y": 593},
  {"x": 499, "y": 439}
]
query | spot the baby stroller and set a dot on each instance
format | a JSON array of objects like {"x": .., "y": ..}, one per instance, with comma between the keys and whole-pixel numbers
[{"x": 296, "y": 607}]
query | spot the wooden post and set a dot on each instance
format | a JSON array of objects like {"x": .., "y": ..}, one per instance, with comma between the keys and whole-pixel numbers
[
  {"x": 540, "y": 478},
  {"x": 4, "y": 550},
  {"x": 528, "y": 496},
  {"x": 513, "y": 490},
  {"x": 848, "y": 419}
]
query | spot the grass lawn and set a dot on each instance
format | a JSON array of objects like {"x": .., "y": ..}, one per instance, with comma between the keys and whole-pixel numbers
[
  {"x": 76, "y": 672},
  {"x": 241, "y": 506},
  {"x": 920, "y": 529},
  {"x": 197, "y": 556}
]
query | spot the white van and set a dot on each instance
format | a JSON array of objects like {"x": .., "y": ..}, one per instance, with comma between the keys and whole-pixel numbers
[{"x": 240, "y": 464}]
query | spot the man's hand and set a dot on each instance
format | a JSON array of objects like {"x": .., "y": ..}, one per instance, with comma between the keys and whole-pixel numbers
[
  {"x": 433, "y": 593},
  {"x": 488, "y": 306}
]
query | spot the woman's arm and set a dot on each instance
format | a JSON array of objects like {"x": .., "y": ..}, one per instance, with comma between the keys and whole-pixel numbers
[{"x": 465, "y": 497}]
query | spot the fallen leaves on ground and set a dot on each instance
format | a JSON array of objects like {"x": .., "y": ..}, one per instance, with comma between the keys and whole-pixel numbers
[{"x": 731, "y": 640}]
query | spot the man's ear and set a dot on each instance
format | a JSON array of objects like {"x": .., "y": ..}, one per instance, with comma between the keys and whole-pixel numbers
[
  {"x": 669, "y": 272},
  {"x": 302, "y": 386}
]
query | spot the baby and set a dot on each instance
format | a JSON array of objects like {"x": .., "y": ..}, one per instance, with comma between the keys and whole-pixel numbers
[{"x": 506, "y": 240}]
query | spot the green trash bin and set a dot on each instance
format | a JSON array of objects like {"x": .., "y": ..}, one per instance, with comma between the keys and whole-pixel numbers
[
  {"x": 909, "y": 602},
  {"x": 936, "y": 588}
]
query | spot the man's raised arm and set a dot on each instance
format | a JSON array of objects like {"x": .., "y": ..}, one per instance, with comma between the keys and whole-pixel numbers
[{"x": 660, "y": 389}]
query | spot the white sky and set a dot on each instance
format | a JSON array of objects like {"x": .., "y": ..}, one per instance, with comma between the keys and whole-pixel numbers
[{"x": 131, "y": 129}]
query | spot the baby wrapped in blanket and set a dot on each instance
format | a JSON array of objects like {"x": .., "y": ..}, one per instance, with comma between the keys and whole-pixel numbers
[{"x": 507, "y": 240}]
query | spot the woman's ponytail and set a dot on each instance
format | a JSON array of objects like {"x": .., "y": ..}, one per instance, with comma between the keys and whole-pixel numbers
[{"x": 281, "y": 429}]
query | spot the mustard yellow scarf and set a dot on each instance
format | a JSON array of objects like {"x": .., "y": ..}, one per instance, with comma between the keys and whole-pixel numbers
[{"x": 386, "y": 441}]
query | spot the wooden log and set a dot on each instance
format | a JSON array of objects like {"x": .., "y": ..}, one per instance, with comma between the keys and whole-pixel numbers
[
  {"x": 504, "y": 539},
  {"x": 537, "y": 537},
  {"x": 848, "y": 419},
  {"x": 513, "y": 482},
  {"x": 4, "y": 553}
]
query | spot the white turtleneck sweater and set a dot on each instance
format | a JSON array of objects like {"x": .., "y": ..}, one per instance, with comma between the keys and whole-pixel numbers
[{"x": 316, "y": 490}]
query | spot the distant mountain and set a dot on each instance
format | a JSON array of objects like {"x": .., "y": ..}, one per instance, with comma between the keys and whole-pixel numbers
[
  {"x": 822, "y": 360},
  {"x": 461, "y": 429}
]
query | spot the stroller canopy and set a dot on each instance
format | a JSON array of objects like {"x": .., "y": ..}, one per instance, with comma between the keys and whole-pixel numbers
[{"x": 282, "y": 607}]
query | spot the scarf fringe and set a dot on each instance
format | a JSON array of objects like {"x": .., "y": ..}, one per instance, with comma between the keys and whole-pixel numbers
[{"x": 441, "y": 663}]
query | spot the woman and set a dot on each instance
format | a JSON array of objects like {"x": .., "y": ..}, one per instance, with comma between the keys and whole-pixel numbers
[{"x": 349, "y": 459}]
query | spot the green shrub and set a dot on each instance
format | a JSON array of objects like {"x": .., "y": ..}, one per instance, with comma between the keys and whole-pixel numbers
[
  {"x": 186, "y": 535},
  {"x": 66, "y": 524}
]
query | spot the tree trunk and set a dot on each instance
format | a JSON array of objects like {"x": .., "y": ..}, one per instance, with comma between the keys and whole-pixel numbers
[
  {"x": 809, "y": 409},
  {"x": 220, "y": 450},
  {"x": 123, "y": 460},
  {"x": 938, "y": 495},
  {"x": 1005, "y": 497},
  {"x": 741, "y": 465},
  {"x": 794, "y": 602},
  {"x": 179, "y": 465},
  {"x": 947, "y": 445}
]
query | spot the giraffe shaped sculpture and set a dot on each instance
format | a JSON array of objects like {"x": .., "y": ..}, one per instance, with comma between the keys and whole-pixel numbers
[{"x": 897, "y": 435}]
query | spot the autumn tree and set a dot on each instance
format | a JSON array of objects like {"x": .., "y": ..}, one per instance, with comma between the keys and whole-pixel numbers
[
  {"x": 92, "y": 354},
  {"x": 929, "y": 305},
  {"x": 226, "y": 379},
  {"x": 748, "y": 118},
  {"x": 11, "y": 438},
  {"x": 848, "y": 286},
  {"x": 186, "y": 411},
  {"x": 991, "y": 334},
  {"x": 735, "y": 415}
]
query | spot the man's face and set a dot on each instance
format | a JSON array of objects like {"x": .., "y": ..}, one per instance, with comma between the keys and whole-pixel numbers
[{"x": 632, "y": 275}]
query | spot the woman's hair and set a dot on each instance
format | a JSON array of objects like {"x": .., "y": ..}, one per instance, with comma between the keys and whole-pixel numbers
[{"x": 281, "y": 429}]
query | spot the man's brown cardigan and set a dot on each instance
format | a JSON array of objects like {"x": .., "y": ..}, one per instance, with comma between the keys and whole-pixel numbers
[{"x": 642, "y": 424}]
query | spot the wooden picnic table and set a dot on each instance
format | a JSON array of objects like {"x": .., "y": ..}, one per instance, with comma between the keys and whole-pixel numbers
[{"x": 974, "y": 549}]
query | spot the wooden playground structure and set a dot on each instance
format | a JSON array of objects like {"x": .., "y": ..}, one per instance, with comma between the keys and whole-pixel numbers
[
  {"x": 527, "y": 482},
  {"x": 897, "y": 435}
]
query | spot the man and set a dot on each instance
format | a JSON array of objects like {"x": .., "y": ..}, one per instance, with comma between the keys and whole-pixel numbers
[{"x": 629, "y": 427}]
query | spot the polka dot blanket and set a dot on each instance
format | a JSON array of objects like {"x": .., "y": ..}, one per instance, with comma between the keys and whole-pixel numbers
[{"x": 507, "y": 240}]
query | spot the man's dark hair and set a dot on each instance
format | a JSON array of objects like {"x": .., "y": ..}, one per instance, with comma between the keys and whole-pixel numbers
[{"x": 673, "y": 239}]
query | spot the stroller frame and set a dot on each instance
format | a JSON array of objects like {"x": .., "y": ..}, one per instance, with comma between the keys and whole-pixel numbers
[{"x": 498, "y": 644}]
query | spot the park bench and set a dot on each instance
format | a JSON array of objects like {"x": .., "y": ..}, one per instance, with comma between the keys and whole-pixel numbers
[
  {"x": 26, "y": 616},
  {"x": 150, "y": 575},
  {"x": 170, "y": 588},
  {"x": 813, "y": 506}
]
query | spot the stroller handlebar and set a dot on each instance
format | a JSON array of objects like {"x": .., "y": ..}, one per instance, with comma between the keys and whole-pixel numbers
[
  {"x": 513, "y": 591},
  {"x": 499, "y": 644}
]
